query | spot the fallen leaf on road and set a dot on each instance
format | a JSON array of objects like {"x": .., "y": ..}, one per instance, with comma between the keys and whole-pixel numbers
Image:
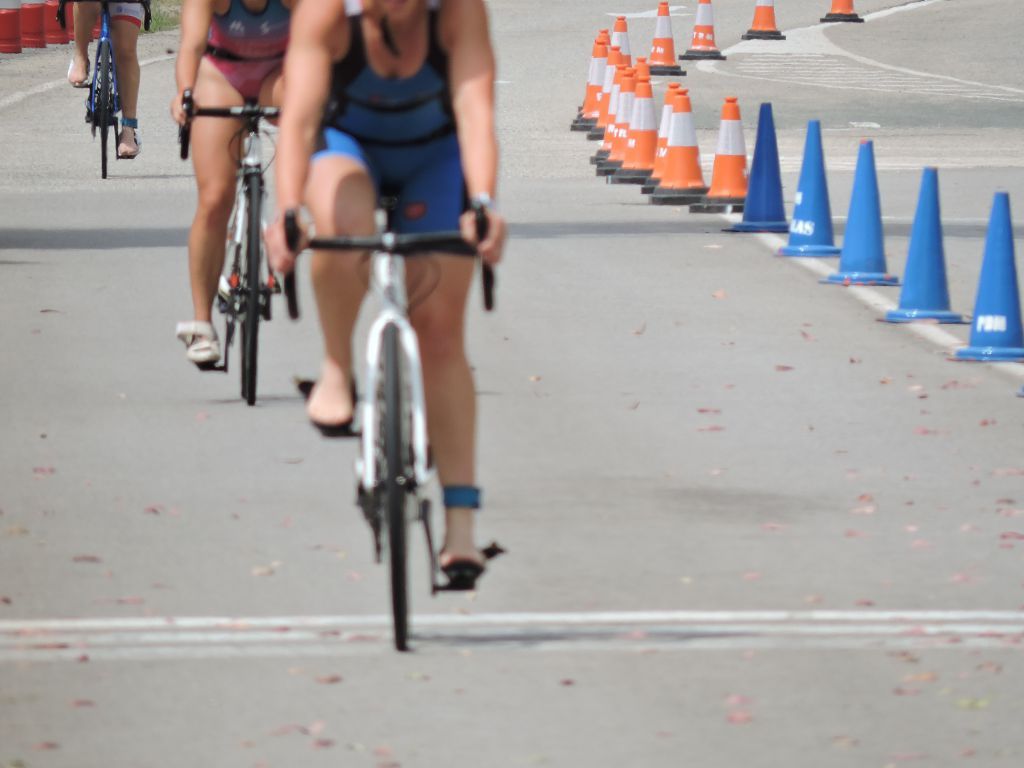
[
  {"x": 718, "y": 295},
  {"x": 783, "y": 368},
  {"x": 640, "y": 331},
  {"x": 711, "y": 428},
  {"x": 739, "y": 717},
  {"x": 972, "y": 704},
  {"x": 86, "y": 559},
  {"x": 43, "y": 471},
  {"x": 323, "y": 743},
  {"x": 329, "y": 679}
]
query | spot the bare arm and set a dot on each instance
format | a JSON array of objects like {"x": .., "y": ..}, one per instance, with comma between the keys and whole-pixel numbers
[
  {"x": 471, "y": 78},
  {"x": 316, "y": 27},
  {"x": 196, "y": 16}
]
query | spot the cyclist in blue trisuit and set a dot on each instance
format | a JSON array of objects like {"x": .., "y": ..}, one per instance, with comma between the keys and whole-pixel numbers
[
  {"x": 126, "y": 21},
  {"x": 395, "y": 95}
]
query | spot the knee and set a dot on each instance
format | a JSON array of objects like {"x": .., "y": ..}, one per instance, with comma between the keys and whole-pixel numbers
[
  {"x": 441, "y": 338},
  {"x": 215, "y": 203}
]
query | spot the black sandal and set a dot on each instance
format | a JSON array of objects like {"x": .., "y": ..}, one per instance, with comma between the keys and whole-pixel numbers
[{"x": 462, "y": 574}]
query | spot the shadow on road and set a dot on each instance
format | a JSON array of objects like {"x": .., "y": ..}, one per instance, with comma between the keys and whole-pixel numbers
[{"x": 92, "y": 239}]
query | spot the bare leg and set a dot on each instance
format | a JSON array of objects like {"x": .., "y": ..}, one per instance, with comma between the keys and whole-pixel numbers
[
  {"x": 341, "y": 197},
  {"x": 215, "y": 155},
  {"x": 451, "y": 396},
  {"x": 85, "y": 19},
  {"x": 125, "y": 37}
]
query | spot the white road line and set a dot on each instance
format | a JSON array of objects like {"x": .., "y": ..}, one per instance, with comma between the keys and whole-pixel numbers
[
  {"x": 19, "y": 96},
  {"x": 126, "y": 639},
  {"x": 805, "y": 45}
]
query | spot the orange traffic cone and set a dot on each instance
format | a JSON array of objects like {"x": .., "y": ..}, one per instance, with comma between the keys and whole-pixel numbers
[
  {"x": 663, "y": 49},
  {"x": 643, "y": 69},
  {"x": 729, "y": 176},
  {"x": 604, "y": 97},
  {"x": 587, "y": 116},
  {"x": 642, "y": 142},
  {"x": 764, "y": 27},
  {"x": 610, "y": 118},
  {"x": 682, "y": 181},
  {"x": 703, "y": 45},
  {"x": 620, "y": 131},
  {"x": 620, "y": 37},
  {"x": 659, "y": 153},
  {"x": 842, "y": 10}
]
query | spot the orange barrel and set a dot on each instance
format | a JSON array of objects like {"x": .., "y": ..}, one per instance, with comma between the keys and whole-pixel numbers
[
  {"x": 32, "y": 34},
  {"x": 52, "y": 31},
  {"x": 10, "y": 26}
]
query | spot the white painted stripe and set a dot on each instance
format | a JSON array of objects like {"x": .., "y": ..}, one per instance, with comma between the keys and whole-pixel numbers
[
  {"x": 25, "y": 627},
  {"x": 19, "y": 96},
  {"x": 126, "y": 639},
  {"x": 809, "y": 41},
  {"x": 673, "y": 10}
]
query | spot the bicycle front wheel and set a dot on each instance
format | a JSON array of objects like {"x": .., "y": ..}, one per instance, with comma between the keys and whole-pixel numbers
[
  {"x": 251, "y": 288},
  {"x": 394, "y": 479},
  {"x": 103, "y": 107}
]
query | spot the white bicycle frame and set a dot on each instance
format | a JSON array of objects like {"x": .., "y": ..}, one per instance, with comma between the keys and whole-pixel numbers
[
  {"x": 252, "y": 159},
  {"x": 387, "y": 280}
]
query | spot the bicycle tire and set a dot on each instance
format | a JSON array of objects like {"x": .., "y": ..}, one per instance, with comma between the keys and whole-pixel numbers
[
  {"x": 251, "y": 271},
  {"x": 102, "y": 108},
  {"x": 394, "y": 484}
]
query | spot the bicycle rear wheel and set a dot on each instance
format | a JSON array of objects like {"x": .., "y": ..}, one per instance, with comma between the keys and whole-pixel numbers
[
  {"x": 103, "y": 109},
  {"x": 394, "y": 485},
  {"x": 251, "y": 288}
]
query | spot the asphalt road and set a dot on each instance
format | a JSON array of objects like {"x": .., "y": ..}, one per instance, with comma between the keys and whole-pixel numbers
[{"x": 748, "y": 524}]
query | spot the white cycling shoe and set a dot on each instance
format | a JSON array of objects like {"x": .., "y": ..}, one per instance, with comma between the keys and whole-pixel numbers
[{"x": 201, "y": 344}]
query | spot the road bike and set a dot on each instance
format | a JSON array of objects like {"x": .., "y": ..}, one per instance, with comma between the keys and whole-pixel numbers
[
  {"x": 394, "y": 468},
  {"x": 104, "y": 100},
  {"x": 243, "y": 295}
]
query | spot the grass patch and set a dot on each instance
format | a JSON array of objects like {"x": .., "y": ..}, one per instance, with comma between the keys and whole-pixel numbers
[{"x": 166, "y": 15}]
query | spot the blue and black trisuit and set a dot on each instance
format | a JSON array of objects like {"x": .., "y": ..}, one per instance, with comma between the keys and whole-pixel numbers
[{"x": 401, "y": 129}]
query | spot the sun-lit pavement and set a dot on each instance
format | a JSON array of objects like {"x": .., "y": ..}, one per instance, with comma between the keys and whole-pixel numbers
[{"x": 747, "y": 523}]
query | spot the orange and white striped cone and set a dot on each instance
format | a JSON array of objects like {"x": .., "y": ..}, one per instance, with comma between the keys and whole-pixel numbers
[
  {"x": 620, "y": 37},
  {"x": 610, "y": 118},
  {"x": 620, "y": 130},
  {"x": 659, "y": 154},
  {"x": 663, "y": 49},
  {"x": 729, "y": 176},
  {"x": 842, "y": 10},
  {"x": 642, "y": 141},
  {"x": 764, "y": 27},
  {"x": 643, "y": 69},
  {"x": 586, "y": 118},
  {"x": 682, "y": 181},
  {"x": 703, "y": 44},
  {"x": 605, "y": 96}
]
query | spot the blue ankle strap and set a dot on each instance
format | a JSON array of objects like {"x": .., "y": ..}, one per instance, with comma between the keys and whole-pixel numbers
[
  {"x": 129, "y": 122},
  {"x": 465, "y": 496}
]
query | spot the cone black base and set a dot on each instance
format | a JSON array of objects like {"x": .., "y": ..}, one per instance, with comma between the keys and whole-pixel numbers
[
  {"x": 663, "y": 196},
  {"x": 583, "y": 124},
  {"x": 695, "y": 54},
  {"x": 719, "y": 205},
  {"x": 630, "y": 176},
  {"x": 596, "y": 134},
  {"x": 757, "y": 34},
  {"x": 608, "y": 167},
  {"x": 599, "y": 157},
  {"x": 667, "y": 70},
  {"x": 650, "y": 185},
  {"x": 842, "y": 17}
]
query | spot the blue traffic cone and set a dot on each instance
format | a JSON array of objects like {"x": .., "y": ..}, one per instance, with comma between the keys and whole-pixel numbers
[
  {"x": 996, "y": 334},
  {"x": 763, "y": 210},
  {"x": 925, "y": 294},
  {"x": 862, "y": 261},
  {"x": 810, "y": 233}
]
